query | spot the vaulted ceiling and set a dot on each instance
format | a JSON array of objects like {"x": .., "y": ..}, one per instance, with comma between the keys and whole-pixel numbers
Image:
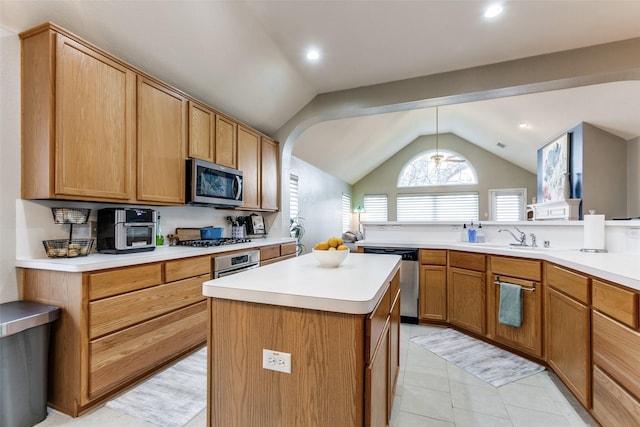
[{"x": 246, "y": 58}]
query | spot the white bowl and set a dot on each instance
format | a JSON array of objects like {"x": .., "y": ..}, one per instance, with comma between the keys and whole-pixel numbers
[{"x": 330, "y": 258}]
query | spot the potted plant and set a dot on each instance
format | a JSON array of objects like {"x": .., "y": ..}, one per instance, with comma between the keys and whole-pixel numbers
[{"x": 296, "y": 230}]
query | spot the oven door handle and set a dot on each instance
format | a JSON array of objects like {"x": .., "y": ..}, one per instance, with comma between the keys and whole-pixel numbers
[{"x": 229, "y": 272}]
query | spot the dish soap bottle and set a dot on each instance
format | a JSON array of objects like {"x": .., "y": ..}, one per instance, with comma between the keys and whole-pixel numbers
[
  {"x": 464, "y": 237},
  {"x": 159, "y": 236},
  {"x": 479, "y": 234},
  {"x": 472, "y": 233}
]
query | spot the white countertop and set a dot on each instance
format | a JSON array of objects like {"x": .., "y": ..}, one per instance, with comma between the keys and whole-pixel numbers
[
  {"x": 354, "y": 287},
  {"x": 93, "y": 262},
  {"x": 620, "y": 268}
]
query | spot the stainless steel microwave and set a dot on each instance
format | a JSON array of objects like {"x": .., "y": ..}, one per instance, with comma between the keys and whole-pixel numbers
[{"x": 213, "y": 185}]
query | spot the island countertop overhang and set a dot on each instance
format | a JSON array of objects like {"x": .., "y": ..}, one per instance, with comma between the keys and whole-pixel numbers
[{"x": 355, "y": 287}]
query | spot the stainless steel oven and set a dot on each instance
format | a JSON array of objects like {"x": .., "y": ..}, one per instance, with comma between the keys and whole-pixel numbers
[{"x": 226, "y": 265}]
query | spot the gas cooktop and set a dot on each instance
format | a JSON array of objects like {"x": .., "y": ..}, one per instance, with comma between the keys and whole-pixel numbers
[{"x": 212, "y": 242}]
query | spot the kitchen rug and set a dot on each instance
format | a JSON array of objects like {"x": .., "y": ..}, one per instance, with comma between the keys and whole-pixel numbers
[
  {"x": 487, "y": 362},
  {"x": 172, "y": 397}
]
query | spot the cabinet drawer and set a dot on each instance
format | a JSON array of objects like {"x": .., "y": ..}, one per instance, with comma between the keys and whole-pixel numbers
[
  {"x": 120, "y": 357},
  {"x": 616, "y": 349},
  {"x": 616, "y": 302},
  {"x": 376, "y": 322},
  {"x": 516, "y": 267},
  {"x": 287, "y": 249},
  {"x": 467, "y": 261},
  {"x": 568, "y": 282},
  {"x": 268, "y": 252},
  {"x": 612, "y": 405},
  {"x": 115, "y": 282},
  {"x": 433, "y": 256},
  {"x": 187, "y": 267},
  {"x": 110, "y": 314}
]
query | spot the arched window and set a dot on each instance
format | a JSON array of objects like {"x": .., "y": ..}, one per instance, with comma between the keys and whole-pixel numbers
[{"x": 429, "y": 169}]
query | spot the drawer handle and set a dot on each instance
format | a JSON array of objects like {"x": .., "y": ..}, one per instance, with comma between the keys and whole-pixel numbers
[{"x": 531, "y": 289}]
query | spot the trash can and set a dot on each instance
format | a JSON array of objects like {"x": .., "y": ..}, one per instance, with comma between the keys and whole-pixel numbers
[{"x": 24, "y": 348}]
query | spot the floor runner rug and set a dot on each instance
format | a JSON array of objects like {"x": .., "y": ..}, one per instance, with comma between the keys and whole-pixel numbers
[
  {"x": 172, "y": 397},
  {"x": 487, "y": 362}
]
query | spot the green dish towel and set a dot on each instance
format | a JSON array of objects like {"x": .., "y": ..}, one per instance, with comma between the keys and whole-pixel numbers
[{"x": 510, "y": 312}]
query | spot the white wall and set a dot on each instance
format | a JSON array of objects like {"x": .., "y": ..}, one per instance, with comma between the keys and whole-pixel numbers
[
  {"x": 633, "y": 178},
  {"x": 319, "y": 202},
  {"x": 9, "y": 160},
  {"x": 493, "y": 173}
]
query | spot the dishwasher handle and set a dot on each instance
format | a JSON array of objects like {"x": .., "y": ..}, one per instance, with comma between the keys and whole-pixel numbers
[{"x": 407, "y": 254}]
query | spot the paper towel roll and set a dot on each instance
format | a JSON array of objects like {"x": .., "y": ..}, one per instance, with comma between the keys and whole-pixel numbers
[{"x": 594, "y": 232}]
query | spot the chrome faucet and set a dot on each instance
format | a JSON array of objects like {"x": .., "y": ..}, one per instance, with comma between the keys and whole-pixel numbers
[
  {"x": 533, "y": 240},
  {"x": 522, "y": 240}
]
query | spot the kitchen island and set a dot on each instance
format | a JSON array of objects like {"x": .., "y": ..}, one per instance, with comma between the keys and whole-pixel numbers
[{"x": 340, "y": 327}]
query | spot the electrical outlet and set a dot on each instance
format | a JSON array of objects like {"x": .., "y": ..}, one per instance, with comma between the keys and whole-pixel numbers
[{"x": 276, "y": 361}]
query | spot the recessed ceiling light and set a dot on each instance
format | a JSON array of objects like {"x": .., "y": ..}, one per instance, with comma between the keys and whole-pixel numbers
[
  {"x": 523, "y": 125},
  {"x": 313, "y": 54},
  {"x": 493, "y": 11}
]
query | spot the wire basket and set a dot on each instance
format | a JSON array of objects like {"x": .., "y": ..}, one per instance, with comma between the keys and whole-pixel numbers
[
  {"x": 64, "y": 248},
  {"x": 70, "y": 215}
]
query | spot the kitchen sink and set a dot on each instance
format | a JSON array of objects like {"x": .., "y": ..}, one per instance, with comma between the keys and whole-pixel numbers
[{"x": 507, "y": 246}]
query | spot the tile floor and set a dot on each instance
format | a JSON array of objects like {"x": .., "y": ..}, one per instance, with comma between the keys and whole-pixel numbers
[{"x": 430, "y": 392}]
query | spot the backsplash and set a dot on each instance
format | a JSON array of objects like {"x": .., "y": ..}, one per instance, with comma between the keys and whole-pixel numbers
[
  {"x": 620, "y": 236},
  {"x": 34, "y": 222}
]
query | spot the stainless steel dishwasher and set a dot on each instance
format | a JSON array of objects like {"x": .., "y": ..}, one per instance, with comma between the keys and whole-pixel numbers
[{"x": 408, "y": 280}]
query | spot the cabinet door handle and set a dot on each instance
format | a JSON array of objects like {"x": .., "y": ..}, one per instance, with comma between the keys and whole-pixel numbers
[{"x": 531, "y": 289}]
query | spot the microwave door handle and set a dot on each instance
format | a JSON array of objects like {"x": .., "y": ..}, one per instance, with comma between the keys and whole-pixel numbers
[{"x": 238, "y": 188}]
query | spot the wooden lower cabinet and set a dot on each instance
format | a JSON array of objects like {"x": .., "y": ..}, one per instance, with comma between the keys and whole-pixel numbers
[
  {"x": 377, "y": 408},
  {"x": 343, "y": 366},
  {"x": 467, "y": 300},
  {"x": 526, "y": 273},
  {"x": 432, "y": 300},
  {"x": 616, "y": 372},
  {"x": 613, "y": 405},
  {"x": 118, "y": 326},
  {"x": 567, "y": 323},
  {"x": 116, "y": 358},
  {"x": 568, "y": 343},
  {"x": 274, "y": 253}
]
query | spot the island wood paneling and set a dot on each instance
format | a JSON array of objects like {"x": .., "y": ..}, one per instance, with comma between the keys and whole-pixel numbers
[{"x": 327, "y": 366}]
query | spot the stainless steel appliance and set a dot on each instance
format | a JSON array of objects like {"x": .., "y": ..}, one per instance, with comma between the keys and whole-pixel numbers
[
  {"x": 226, "y": 265},
  {"x": 408, "y": 280},
  {"x": 126, "y": 230},
  {"x": 213, "y": 185}
]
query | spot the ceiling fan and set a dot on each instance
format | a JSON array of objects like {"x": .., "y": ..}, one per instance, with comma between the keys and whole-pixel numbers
[{"x": 438, "y": 158}]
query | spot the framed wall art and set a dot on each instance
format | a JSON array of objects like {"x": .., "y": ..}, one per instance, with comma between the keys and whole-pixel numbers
[{"x": 553, "y": 170}]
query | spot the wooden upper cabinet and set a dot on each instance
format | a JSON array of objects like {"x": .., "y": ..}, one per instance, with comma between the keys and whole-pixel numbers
[
  {"x": 226, "y": 142},
  {"x": 249, "y": 164},
  {"x": 162, "y": 116},
  {"x": 269, "y": 182},
  {"x": 78, "y": 121},
  {"x": 202, "y": 132}
]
